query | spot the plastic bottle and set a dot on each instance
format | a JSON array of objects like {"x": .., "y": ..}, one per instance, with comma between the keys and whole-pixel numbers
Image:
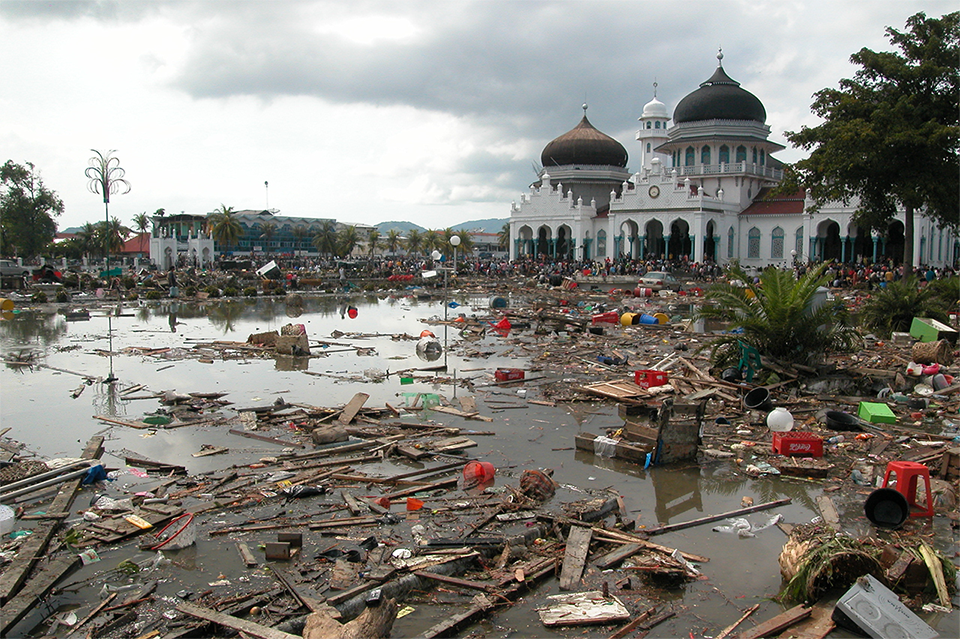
[{"x": 836, "y": 439}]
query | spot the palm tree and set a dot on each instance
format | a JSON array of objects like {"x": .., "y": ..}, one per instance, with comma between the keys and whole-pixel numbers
[
  {"x": 432, "y": 239},
  {"x": 325, "y": 239},
  {"x": 414, "y": 241},
  {"x": 779, "y": 317},
  {"x": 347, "y": 240},
  {"x": 894, "y": 307},
  {"x": 503, "y": 237},
  {"x": 299, "y": 232},
  {"x": 267, "y": 231},
  {"x": 373, "y": 241},
  {"x": 87, "y": 238},
  {"x": 225, "y": 227},
  {"x": 111, "y": 234},
  {"x": 142, "y": 223},
  {"x": 394, "y": 240},
  {"x": 466, "y": 242}
]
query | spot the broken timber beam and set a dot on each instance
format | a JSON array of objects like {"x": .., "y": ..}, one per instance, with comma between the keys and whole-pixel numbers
[
  {"x": 14, "y": 576},
  {"x": 776, "y": 624},
  {"x": 712, "y": 518},
  {"x": 248, "y": 628},
  {"x": 575, "y": 556}
]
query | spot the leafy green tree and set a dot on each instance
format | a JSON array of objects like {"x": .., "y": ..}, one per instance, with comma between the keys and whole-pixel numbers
[
  {"x": 347, "y": 240},
  {"x": 393, "y": 241},
  {"x": 225, "y": 227},
  {"x": 891, "y": 134},
  {"x": 893, "y": 307},
  {"x": 141, "y": 221},
  {"x": 778, "y": 317},
  {"x": 373, "y": 241},
  {"x": 503, "y": 237},
  {"x": 414, "y": 242},
  {"x": 27, "y": 211},
  {"x": 325, "y": 239}
]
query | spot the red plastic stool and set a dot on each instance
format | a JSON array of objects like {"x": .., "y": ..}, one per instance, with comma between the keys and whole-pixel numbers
[{"x": 907, "y": 474}]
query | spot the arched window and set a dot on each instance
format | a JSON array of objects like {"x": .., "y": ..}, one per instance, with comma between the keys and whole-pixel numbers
[
  {"x": 690, "y": 158},
  {"x": 648, "y": 147},
  {"x": 601, "y": 243},
  {"x": 649, "y": 125},
  {"x": 753, "y": 243},
  {"x": 657, "y": 124},
  {"x": 724, "y": 154},
  {"x": 741, "y": 153},
  {"x": 763, "y": 158},
  {"x": 799, "y": 242},
  {"x": 776, "y": 244},
  {"x": 705, "y": 155},
  {"x": 731, "y": 237},
  {"x": 754, "y": 155}
]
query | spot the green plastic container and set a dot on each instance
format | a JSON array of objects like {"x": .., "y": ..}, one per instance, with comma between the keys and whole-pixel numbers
[{"x": 876, "y": 413}]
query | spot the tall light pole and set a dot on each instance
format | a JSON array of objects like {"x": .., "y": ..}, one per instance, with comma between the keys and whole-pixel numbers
[{"x": 106, "y": 177}]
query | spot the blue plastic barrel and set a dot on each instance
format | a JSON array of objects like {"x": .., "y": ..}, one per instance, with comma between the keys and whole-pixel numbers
[{"x": 648, "y": 319}]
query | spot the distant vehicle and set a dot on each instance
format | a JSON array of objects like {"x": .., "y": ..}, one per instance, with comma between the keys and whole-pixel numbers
[
  {"x": 661, "y": 280},
  {"x": 9, "y": 268}
]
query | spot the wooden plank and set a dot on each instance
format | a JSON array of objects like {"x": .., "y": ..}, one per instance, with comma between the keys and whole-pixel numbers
[
  {"x": 468, "y": 404},
  {"x": 575, "y": 556},
  {"x": 633, "y": 625},
  {"x": 828, "y": 511},
  {"x": 14, "y": 575},
  {"x": 264, "y": 438},
  {"x": 777, "y": 624},
  {"x": 817, "y": 626},
  {"x": 35, "y": 591},
  {"x": 615, "y": 557},
  {"x": 583, "y": 608},
  {"x": 726, "y": 631},
  {"x": 936, "y": 572},
  {"x": 453, "y": 581},
  {"x": 352, "y": 505},
  {"x": 712, "y": 518},
  {"x": 352, "y": 408},
  {"x": 248, "y": 558},
  {"x": 242, "y": 625}
]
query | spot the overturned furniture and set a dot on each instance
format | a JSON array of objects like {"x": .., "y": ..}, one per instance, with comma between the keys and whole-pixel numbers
[{"x": 666, "y": 435}]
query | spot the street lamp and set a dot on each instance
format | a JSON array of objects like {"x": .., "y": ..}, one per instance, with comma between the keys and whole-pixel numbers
[
  {"x": 105, "y": 177},
  {"x": 455, "y": 242}
]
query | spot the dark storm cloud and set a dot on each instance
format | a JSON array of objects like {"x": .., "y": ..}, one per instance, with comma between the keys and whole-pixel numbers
[{"x": 523, "y": 67}]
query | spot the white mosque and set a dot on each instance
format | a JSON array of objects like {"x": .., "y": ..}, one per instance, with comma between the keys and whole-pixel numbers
[{"x": 702, "y": 191}]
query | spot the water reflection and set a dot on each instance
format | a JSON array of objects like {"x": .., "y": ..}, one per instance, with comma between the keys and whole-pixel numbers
[
  {"x": 32, "y": 327},
  {"x": 108, "y": 401},
  {"x": 677, "y": 491}
]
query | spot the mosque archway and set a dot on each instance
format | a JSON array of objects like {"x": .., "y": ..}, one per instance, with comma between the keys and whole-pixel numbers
[
  {"x": 710, "y": 242},
  {"x": 893, "y": 242},
  {"x": 564, "y": 244},
  {"x": 679, "y": 243},
  {"x": 828, "y": 236},
  {"x": 655, "y": 246}
]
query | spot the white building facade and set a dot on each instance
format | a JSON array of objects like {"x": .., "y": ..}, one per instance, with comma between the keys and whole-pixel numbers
[{"x": 701, "y": 194}]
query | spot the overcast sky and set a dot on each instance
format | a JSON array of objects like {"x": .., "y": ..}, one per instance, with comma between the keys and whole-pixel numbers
[{"x": 433, "y": 112}]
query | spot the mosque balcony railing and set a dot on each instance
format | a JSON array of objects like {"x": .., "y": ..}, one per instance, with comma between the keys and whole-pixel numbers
[{"x": 731, "y": 168}]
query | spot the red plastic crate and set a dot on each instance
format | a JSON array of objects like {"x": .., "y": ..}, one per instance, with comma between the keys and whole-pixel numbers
[
  {"x": 647, "y": 378},
  {"x": 508, "y": 374},
  {"x": 798, "y": 444},
  {"x": 610, "y": 317}
]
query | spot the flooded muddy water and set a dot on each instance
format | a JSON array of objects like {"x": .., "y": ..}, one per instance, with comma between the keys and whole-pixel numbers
[{"x": 365, "y": 354}]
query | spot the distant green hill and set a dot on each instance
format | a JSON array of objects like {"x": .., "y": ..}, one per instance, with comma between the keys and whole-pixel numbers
[
  {"x": 403, "y": 227},
  {"x": 490, "y": 225}
]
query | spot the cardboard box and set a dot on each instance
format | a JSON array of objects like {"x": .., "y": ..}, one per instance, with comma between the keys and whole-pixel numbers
[{"x": 876, "y": 413}]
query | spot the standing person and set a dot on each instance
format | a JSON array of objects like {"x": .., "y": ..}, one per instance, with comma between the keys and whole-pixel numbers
[
  {"x": 172, "y": 282},
  {"x": 343, "y": 278}
]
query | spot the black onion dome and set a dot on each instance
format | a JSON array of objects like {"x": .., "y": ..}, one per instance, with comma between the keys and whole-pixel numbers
[
  {"x": 720, "y": 98},
  {"x": 583, "y": 144}
]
